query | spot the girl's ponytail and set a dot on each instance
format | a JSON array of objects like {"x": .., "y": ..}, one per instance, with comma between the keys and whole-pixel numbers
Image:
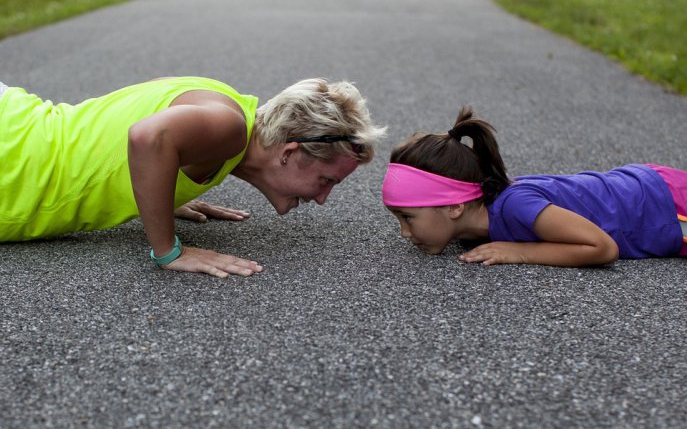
[
  {"x": 484, "y": 145},
  {"x": 445, "y": 155}
]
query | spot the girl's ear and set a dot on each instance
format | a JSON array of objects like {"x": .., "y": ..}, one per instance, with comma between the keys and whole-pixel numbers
[{"x": 456, "y": 210}]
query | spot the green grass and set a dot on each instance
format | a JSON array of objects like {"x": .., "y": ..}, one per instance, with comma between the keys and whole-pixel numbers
[
  {"x": 648, "y": 36},
  {"x": 17, "y": 16}
]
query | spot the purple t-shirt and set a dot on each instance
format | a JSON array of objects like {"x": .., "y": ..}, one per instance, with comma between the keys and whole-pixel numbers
[{"x": 631, "y": 203}]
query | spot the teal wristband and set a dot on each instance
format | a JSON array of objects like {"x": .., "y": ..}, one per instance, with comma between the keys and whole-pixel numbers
[{"x": 171, "y": 256}]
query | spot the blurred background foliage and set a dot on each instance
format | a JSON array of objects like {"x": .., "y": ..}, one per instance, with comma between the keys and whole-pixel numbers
[
  {"x": 17, "y": 16},
  {"x": 649, "y": 37}
]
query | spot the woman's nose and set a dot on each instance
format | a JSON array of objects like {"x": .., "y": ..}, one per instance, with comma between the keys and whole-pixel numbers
[{"x": 322, "y": 197}]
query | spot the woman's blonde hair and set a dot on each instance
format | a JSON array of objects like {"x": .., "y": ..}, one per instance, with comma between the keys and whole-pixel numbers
[{"x": 315, "y": 107}]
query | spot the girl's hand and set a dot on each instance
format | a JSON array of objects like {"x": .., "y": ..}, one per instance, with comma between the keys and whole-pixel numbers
[
  {"x": 197, "y": 260},
  {"x": 568, "y": 240},
  {"x": 497, "y": 252},
  {"x": 199, "y": 211}
]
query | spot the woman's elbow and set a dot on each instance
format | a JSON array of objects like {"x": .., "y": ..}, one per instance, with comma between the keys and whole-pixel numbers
[
  {"x": 145, "y": 137},
  {"x": 139, "y": 137}
]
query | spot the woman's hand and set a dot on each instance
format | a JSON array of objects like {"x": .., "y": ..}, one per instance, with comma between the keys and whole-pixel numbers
[
  {"x": 201, "y": 132},
  {"x": 197, "y": 260},
  {"x": 199, "y": 211}
]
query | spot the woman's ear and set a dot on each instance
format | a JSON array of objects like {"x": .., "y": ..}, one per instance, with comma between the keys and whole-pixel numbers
[
  {"x": 456, "y": 210},
  {"x": 286, "y": 150}
]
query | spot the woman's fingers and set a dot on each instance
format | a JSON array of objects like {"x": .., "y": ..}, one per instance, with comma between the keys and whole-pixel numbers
[
  {"x": 199, "y": 211},
  {"x": 233, "y": 265},
  {"x": 185, "y": 212},
  {"x": 215, "y": 264},
  {"x": 225, "y": 213}
]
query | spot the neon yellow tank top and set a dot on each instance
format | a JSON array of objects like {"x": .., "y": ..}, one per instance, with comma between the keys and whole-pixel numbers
[{"x": 64, "y": 168}]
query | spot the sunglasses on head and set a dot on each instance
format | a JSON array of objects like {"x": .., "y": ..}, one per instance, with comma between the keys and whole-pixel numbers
[{"x": 330, "y": 138}]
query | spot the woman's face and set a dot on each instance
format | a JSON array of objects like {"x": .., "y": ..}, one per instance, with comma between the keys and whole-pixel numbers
[{"x": 304, "y": 178}]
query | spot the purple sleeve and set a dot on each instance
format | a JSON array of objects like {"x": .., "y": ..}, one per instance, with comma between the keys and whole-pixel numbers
[{"x": 518, "y": 208}]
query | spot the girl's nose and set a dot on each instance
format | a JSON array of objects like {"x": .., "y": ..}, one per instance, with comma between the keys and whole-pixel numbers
[{"x": 405, "y": 231}]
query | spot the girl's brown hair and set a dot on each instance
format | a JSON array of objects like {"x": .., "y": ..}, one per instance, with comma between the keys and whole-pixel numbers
[{"x": 445, "y": 155}]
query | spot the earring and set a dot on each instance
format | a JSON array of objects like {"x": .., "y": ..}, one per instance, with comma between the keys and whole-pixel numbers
[{"x": 283, "y": 161}]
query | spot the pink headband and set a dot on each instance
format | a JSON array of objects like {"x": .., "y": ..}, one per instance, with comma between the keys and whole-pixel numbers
[{"x": 405, "y": 186}]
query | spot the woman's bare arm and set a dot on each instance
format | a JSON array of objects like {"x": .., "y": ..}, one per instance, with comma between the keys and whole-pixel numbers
[{"x": 164, "y": 142}]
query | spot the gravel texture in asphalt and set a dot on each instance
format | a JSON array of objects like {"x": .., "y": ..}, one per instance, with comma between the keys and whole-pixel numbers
[{"x": 349, "y": 325}]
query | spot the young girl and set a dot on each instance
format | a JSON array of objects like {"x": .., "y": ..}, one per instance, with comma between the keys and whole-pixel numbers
[
  {"x": 440, "y": 190},
  {"x": 149, "y": 149}
]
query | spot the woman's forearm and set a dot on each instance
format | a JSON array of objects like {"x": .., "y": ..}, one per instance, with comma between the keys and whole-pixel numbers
[{"x": 154, "y": 167}]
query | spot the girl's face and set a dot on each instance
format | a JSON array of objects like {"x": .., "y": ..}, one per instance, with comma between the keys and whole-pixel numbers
[{"x": 431, "y": 229}]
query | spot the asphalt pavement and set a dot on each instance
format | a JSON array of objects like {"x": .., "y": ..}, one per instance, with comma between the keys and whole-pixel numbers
[{"x": 349, "y": 326}]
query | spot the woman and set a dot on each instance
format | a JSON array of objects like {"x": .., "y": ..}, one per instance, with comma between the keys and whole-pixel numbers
[{"x": 148, "y": 149}]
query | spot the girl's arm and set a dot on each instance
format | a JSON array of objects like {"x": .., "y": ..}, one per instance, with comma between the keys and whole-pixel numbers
[
  {"x": 568, "y": 240},
  {"x": 161, "y": 144}
]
